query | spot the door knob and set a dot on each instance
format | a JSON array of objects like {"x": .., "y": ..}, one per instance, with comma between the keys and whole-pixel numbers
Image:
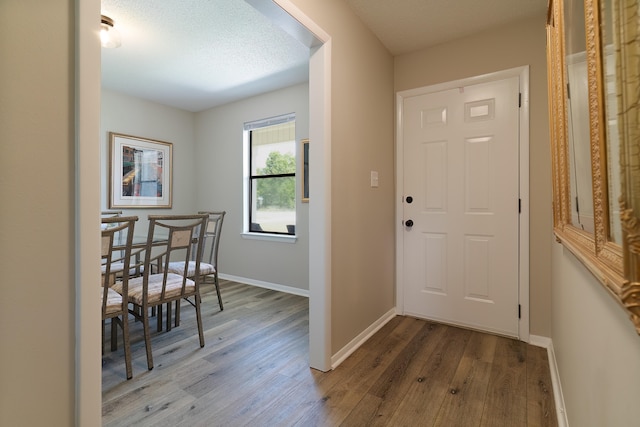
[
  {"x": 408, "y": 223},
  {"x": 409, "y": 199}
]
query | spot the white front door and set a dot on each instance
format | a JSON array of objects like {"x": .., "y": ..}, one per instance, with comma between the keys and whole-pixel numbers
[{"x": 461, "y": 192}]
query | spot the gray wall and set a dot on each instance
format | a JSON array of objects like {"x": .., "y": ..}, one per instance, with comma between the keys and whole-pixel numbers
[
  {"x": 219, "y": 165},
  {"x": 362, "y": 240},
  {"x": 37, "y": 236},
  {"x": 137, "y": 117},
  {"x": 207, "y": 175},
  {"x": 597, "y": 348}
]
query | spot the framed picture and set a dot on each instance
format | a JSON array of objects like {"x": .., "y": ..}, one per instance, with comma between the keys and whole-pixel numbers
[
  {"x": 305, "y": 170},
  {"x": 140, "y": 172}
]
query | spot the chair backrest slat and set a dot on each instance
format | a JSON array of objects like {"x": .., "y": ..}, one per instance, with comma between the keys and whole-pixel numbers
[
  {"x": 212, "y": 235},
  {"x": 113, "y": 252}
]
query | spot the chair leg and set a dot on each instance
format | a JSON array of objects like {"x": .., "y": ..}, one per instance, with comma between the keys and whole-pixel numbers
[
  {"x": 168, "y": 316},
  {"x": 158, "y": 310},
  {"x": 147, "y": 336},
  {"x": 215, "y": 281},
  {"x": 199, "y": 318},
  {"x": 177, "y": 315},
  {"x": 126, "y": 344},
  {"x": 114, "y": 334},
  {"x": 103, "y": 329}
]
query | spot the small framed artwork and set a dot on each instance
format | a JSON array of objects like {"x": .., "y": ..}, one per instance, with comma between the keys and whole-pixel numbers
[
  {"x": 305, "y": 170},
  {"x": 140, "y": 172}
]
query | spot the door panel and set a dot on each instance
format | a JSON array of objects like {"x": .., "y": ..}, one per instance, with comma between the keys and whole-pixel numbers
[{"x": 461, "y": 166}]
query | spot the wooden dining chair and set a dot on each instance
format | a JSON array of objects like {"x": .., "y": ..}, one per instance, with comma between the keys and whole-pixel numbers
[
  {"x": 170, "y": 237},
  {"x": 116, "y": 259},
  {"x": 209, "y": 261}
]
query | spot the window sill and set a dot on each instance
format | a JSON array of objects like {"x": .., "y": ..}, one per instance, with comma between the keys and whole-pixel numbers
[{"x": 269, "y": 237}]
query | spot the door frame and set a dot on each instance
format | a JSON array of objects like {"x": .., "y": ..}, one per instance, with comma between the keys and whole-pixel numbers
[{"x": 523, "y": 184}]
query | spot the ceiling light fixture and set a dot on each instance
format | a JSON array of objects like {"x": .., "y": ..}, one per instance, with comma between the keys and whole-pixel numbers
[{"x": 109, "y": 36}]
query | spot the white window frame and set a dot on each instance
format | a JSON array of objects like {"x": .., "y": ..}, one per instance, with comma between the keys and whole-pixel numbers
[{"x": 246, "y": 172}]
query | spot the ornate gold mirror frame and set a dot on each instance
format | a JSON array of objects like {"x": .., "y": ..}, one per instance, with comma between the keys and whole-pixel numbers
[
  {"x": 597, "y": 250},
  {"x": 628, "y": 71}
]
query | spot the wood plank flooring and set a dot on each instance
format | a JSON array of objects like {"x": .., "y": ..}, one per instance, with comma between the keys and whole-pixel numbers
[{"x": 253, "y": 371}]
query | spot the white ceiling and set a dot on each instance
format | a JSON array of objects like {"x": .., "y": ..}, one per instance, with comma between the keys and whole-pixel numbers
[
  {"x": 409, "y": 25},
  {"x": 198, "y": 54}
]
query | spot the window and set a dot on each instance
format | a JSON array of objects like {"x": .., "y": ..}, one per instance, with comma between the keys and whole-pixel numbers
[{"x": 270, "y": 196}]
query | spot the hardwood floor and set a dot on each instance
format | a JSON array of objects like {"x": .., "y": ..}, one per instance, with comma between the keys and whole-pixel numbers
[{"x": 253, "y": 371}]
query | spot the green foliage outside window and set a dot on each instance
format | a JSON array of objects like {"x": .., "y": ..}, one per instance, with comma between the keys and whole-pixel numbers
[{"x": 277, "y": 192}]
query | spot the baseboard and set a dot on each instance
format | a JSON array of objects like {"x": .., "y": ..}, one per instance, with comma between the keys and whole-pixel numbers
[
  {"x": 540, "y": 341},
  {"x": 547, "y": 343},
  {"x": 355, "y": 343},
  {"x": 266, "y": 285}
]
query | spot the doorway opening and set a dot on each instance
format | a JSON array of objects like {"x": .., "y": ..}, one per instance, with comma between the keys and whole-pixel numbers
[{"x": 87, "y": 201}]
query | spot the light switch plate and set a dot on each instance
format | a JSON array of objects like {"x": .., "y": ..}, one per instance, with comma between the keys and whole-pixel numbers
[{"x": 374, "y": 179}]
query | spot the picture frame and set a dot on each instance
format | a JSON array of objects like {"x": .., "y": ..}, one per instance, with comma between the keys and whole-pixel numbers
[
  {"x": 305, "y": 170},
  {"x": 141, "y": 172}
]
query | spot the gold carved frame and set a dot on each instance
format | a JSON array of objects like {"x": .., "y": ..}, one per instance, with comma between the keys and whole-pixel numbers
[
  {"x": 596, "y": 251},
  {"x": 628, "y": 89}
]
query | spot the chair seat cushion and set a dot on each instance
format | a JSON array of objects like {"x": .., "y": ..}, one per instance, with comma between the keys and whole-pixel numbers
[
  {"x": 177, "y": 267},
  {"x": 114, "y": 301},
  {"x": 173, "y": 288},
  {"x": 116, "y": 267}
]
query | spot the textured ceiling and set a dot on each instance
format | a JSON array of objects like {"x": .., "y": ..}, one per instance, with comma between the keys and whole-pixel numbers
[{"x": 198, "y": 54}]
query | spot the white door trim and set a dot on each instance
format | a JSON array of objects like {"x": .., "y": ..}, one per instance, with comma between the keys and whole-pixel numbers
[
  {"x": 88, "y": 366},
  {"x": 523, "y": 271},
  {"x": 320, "y": 181}
]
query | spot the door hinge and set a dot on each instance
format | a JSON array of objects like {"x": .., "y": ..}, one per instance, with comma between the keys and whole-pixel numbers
[
  {"x": 520, "y": 100},
  {"x": 568, "y": 91},
  {"x": 519, "y": 205},
  {"x": 519, "y": 311}
]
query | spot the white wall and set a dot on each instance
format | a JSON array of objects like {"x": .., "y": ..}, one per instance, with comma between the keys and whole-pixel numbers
[
  {"x": 219, "y": 165},
  {"x": 597, "y": 348},
  {"x": 137, "y": 117}
]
